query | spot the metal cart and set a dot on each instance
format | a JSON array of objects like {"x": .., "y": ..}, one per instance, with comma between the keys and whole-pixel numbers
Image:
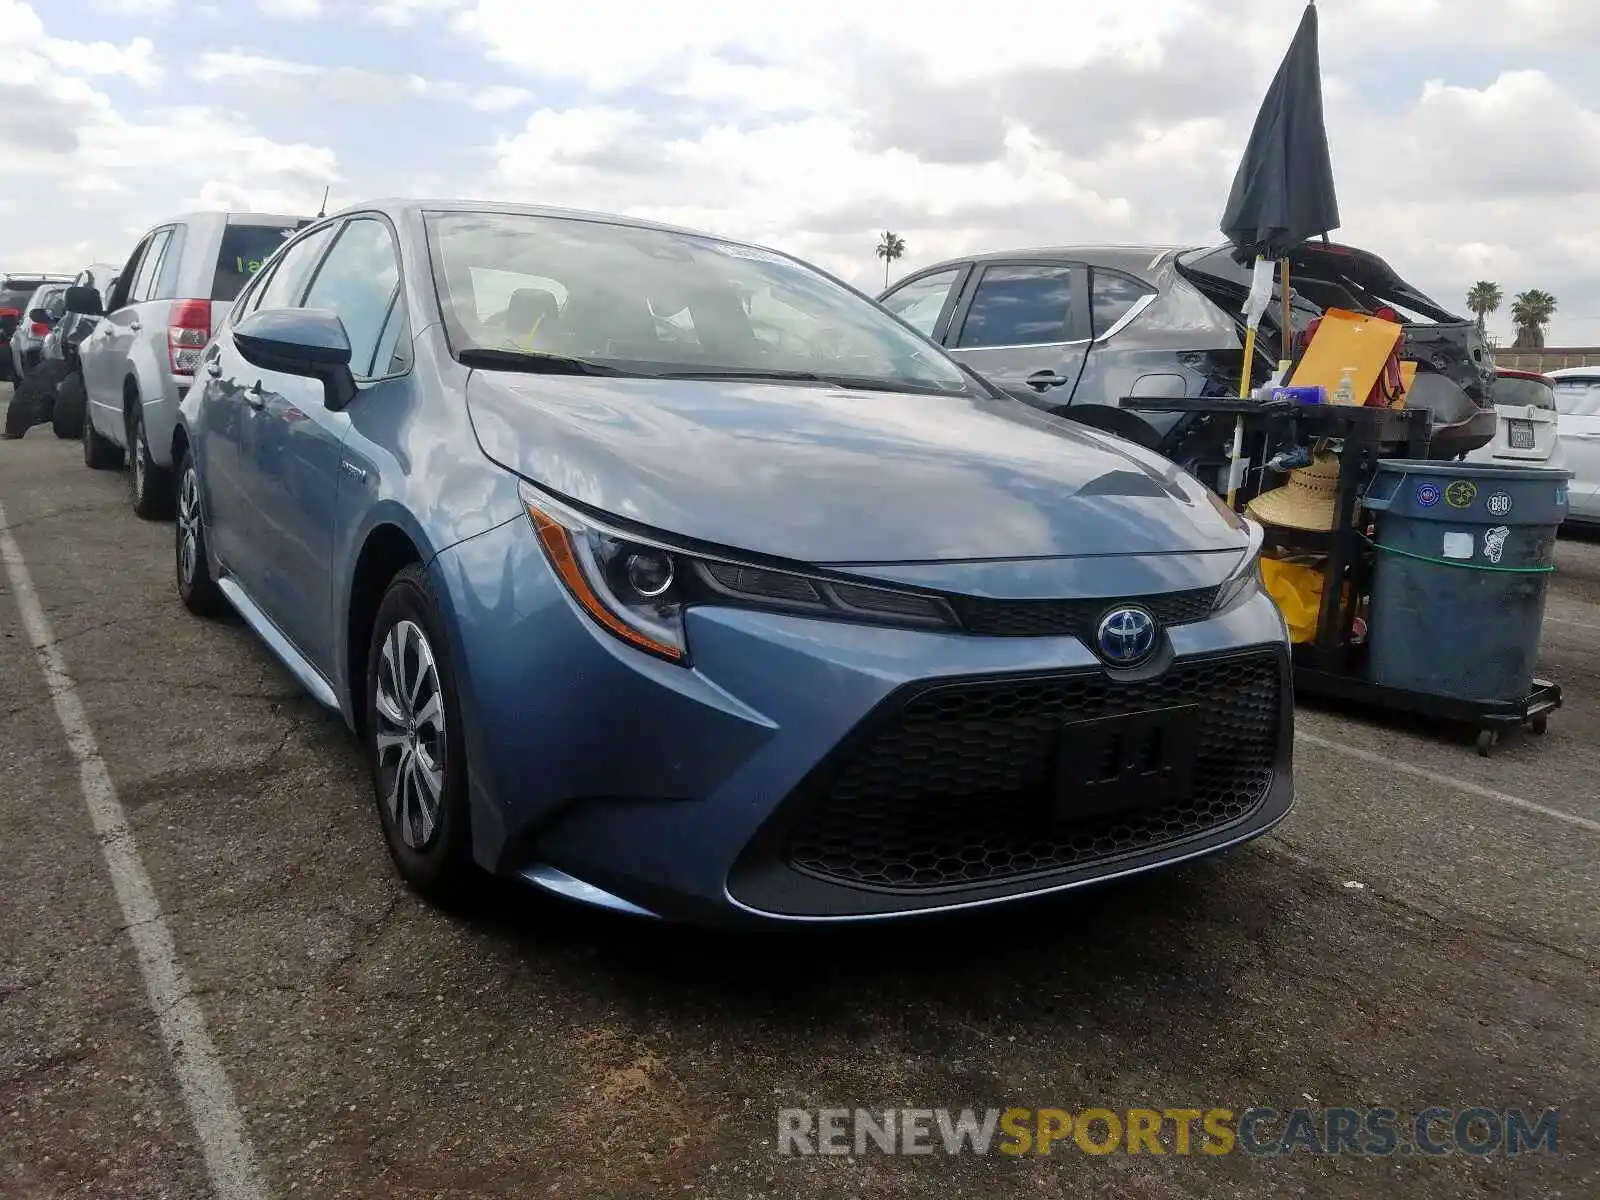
[{"x": 1333, "y": 664}]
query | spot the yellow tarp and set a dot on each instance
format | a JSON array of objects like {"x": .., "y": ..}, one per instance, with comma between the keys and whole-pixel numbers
[{"x": 1297, "y": 591}]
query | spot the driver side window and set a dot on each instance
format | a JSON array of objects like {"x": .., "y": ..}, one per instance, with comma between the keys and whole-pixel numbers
[
  {"x": 130, "y": 270},
  {"x": 359, "y": 281},
  {"x": 288, "y": 280},
  {"x": 920, "y": 302}
]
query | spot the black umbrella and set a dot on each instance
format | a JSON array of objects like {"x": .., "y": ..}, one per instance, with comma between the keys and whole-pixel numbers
[
  {"x": 1283, "y": 191},
  {"x": 1282, "y": 194}
]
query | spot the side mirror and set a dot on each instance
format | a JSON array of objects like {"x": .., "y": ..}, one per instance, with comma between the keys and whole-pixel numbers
[
  {"x": 40, "y": 316},
  {"x": 84, "y": 301},
  {"x": 309, "y": 342}
]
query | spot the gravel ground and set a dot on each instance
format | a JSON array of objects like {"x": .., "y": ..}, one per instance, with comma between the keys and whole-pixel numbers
[{"x": 526, "y": 1048}]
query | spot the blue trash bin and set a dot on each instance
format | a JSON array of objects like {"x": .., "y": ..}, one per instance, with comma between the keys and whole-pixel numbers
[{"x": 1464, "y": 557}]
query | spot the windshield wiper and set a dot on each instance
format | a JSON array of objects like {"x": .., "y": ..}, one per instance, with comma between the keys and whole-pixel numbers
[
  {"x": 862, "y": 383},
  {"x": 533, "y": 362}
]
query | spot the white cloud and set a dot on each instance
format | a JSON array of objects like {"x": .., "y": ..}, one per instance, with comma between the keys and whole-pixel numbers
[
  {"x": 136, "y": 60},
  {"x": 284, "y": 82},
  {"x": 404, "y": 12},
  {"x": 294, "y": 10}
]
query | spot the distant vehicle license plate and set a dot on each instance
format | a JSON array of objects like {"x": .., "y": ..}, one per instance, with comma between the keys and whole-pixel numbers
[{"x": 1520, "y": 435}]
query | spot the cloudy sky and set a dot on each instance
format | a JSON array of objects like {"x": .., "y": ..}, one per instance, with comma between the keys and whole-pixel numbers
[{"x": 1465, "y": 133}]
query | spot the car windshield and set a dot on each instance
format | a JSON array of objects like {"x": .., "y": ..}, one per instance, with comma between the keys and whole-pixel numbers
[
  {"x": 1518, "y": 391},
  {"x": 1578, "y": 397},
  {"x": 655, "y": 303}
]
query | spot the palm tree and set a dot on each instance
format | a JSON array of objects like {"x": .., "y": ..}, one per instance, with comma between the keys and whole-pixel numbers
[
  {"x": 1484, "y": 298},
  {"x": 890, "y": 247},
  {"x": 1531, "y": 310}
]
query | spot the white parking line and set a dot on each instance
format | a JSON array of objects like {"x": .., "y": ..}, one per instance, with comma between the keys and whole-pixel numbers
[
  {"x": 206, "y": 1090},
  {"x": 1446, "y": 781}
]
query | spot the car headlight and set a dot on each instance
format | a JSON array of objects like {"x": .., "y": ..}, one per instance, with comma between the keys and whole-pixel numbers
[
  {"x": 638, "y": 589},
  {"x": 1245, "y": 581}
]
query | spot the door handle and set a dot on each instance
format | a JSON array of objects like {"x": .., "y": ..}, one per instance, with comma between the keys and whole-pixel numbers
[
  {"x": 134, "y": 326},
  {"x": 253, "y": 396},
  {"x": 1040, "y": 380}
]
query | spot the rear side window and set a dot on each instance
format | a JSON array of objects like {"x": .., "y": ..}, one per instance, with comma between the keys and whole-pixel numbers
[
  {"x": 244, "y": 249},
  {"x": 1516, "y": 391},
  {"x": 1113, "y": 297},
  {"x": 1020, "y": 306},
  {"x": 144, "y": 284}
]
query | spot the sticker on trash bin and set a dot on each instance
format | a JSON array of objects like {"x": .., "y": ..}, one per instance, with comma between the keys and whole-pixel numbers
[
  {"x": 1458, "y": 545},
  {"x": 1427, "y": 495},
  {"x": 1461, "y": 493},
  {"x": 1498, "y": 504},
  {"x": 1494, "y": 542},
  {"x": 1561, "y": 495}
]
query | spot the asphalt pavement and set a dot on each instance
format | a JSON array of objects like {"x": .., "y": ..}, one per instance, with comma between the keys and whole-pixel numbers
[{"x": 1419, "y": 932}]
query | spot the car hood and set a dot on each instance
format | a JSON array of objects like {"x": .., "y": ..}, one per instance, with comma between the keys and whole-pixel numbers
[{"x": 823, "y": 475}]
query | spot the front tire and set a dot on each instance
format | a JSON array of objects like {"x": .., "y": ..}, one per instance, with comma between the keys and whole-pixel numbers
[
  {"x": 149, "y": 485},
  {"x": 196, "y": 588},
  {"x": 414, "y": 741}
]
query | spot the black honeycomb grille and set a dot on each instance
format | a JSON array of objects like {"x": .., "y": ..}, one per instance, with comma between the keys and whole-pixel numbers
[
  {"x": 1073, "y": 618},
  {"x": 958, "y": 788}
]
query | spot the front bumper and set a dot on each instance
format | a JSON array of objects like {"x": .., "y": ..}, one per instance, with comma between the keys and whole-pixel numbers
[{"x": 814, "y": 771}]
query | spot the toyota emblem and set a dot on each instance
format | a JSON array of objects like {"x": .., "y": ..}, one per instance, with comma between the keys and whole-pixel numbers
[{"x": 1126, "y": 637}]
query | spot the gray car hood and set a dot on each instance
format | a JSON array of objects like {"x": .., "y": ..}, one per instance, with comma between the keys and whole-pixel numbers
[{"x": 823, "y": 475}]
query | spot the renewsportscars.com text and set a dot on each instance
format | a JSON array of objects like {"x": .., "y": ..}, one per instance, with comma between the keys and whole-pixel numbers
[{"x": 1258, "y": 1131}]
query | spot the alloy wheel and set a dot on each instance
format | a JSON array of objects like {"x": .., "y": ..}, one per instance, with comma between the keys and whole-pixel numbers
[
  {"x": 188, "y": 526},
  {"x": 408, "y": 709}
]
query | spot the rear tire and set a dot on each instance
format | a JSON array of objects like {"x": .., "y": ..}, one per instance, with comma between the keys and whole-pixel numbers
[
  {"x": 71, "y": 402},
  {"x": 196, "y": 588},
  {"x": 414, "y": 743},
  {"x": 99, "y": 453},
  {"x": 149, "y": 485}
]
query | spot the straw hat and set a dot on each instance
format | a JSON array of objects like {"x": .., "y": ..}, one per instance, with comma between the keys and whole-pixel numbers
[{"x": 1306, "y": 502}]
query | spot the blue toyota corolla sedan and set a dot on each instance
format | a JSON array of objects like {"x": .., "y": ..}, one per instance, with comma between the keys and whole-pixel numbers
[{"x": 672, "y": 575}]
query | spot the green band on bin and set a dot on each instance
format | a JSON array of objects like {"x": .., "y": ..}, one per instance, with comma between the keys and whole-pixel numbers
[{"x": 1451, "y": 562}]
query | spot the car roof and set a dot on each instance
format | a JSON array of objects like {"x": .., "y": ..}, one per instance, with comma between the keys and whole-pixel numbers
[
  {"x": 395, "y": 207},
  {"x": 31, "y": 279},
  {"x": 1140, "y": 260}
]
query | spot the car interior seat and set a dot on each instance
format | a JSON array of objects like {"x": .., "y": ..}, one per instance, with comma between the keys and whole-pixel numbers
[{"x": 532, "y": 316}]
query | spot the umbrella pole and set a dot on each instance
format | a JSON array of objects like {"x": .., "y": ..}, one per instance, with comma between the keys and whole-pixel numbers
[
  {"x": 1237, "y": 453},
  {"x": 1286, "y": 321}
]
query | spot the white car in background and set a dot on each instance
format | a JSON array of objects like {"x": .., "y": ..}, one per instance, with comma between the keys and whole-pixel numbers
[
  {"x": 1577, "y": 396},
  {"x": 1526, "y": 426}
]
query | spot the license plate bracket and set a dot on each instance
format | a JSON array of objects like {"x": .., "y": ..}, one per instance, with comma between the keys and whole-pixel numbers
[
  {"x": 1132, "y": 761},
  {"x": 1519, "y": 435}
]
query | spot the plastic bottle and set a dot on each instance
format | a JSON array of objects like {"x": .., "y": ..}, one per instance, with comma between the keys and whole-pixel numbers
[{"x": 1347, "y": 387}]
